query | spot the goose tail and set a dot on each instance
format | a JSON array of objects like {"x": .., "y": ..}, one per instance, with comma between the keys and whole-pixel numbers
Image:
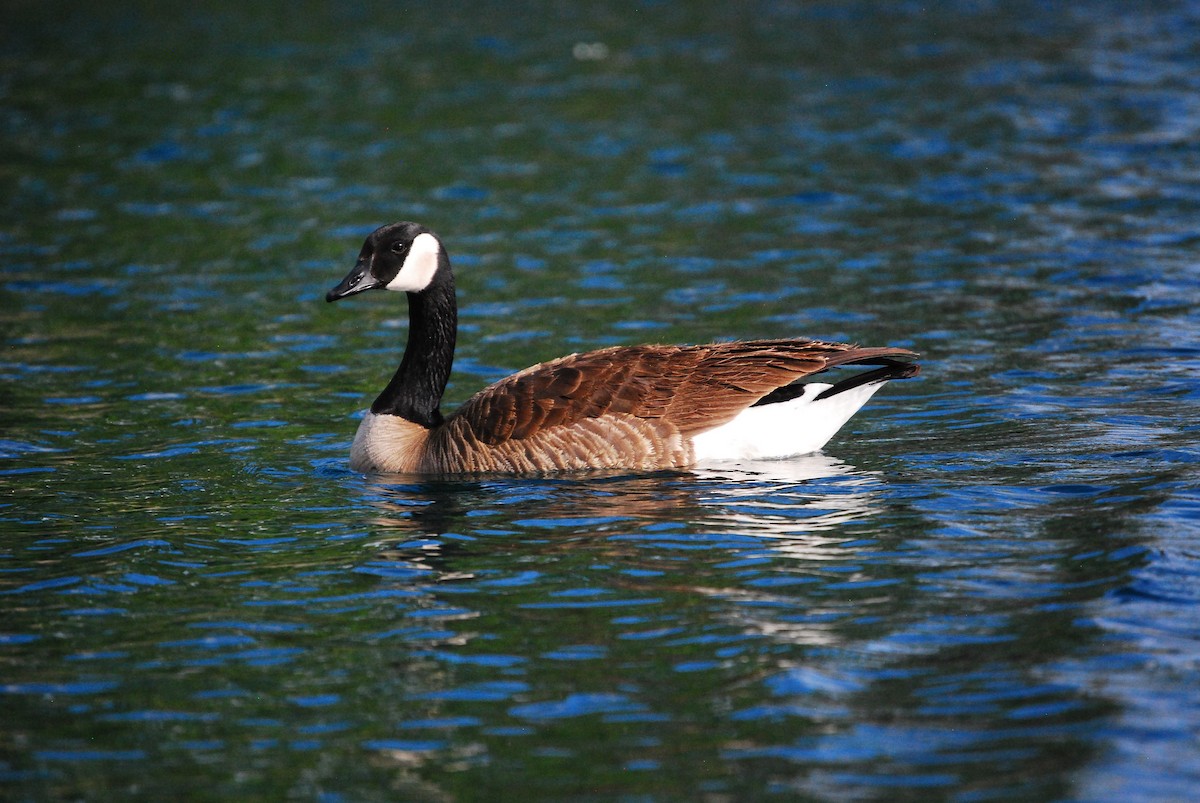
[{"x": 796, "y": 419}]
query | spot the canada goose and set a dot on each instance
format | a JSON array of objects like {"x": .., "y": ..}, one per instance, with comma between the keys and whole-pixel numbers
[{"x": 627, "y": 407}]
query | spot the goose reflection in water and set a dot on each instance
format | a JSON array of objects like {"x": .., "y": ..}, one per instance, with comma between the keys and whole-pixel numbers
[
  {"x": 804, "y": 496},
  {"x": 801, "y": 505},
  {"x": 746, "y": 540}
]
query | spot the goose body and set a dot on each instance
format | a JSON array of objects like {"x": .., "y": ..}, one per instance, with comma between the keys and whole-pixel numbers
[{"x": 641, "y": 407}]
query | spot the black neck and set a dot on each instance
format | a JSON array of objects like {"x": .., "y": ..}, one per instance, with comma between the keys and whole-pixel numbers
[{"x": 415, "y": 392}]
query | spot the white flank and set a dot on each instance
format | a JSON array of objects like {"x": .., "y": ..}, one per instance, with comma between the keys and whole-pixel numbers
[
  {"x": 419, "y": 266},
  {"x": 785, "y": 429}
]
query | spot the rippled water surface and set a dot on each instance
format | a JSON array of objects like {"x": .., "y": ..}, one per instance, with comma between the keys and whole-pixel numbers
[{"x": 987, "y": 587}]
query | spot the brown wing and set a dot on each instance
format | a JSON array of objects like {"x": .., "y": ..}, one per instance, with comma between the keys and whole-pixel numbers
[{"x": 694, "y": 388}]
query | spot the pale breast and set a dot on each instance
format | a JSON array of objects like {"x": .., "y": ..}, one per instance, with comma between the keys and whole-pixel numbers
[{"x": 388, "y": 444}]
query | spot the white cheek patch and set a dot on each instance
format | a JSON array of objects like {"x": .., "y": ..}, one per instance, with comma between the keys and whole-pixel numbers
[{"x": 419, "y": 266}]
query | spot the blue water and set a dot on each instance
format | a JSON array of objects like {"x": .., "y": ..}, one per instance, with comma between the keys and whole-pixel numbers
[{"x": 985, "y": 588}]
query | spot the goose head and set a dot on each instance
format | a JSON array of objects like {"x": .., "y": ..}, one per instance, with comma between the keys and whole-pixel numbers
[{"x": 400, "y": 256}]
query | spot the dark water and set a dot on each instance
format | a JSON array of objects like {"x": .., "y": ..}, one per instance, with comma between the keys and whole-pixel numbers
[{"x": 987, "y": 588}]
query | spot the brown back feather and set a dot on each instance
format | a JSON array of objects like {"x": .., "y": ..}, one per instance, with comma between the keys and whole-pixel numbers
[{"x": 690, "y": 388}]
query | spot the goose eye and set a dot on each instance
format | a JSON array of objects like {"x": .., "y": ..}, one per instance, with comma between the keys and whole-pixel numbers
[{"x": 397, "y": 248}]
